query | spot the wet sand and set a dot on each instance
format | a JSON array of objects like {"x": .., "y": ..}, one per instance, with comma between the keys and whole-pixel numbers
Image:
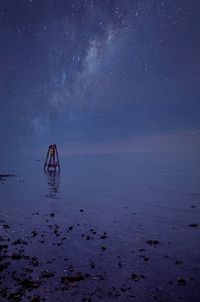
[{"x": 107, "y": 228}]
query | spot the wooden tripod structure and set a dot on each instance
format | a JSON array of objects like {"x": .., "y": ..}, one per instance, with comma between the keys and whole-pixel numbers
[{"x": 52, "y": 160}]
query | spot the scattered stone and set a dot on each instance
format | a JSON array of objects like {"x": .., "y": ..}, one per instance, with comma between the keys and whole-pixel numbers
[
  {"x": 34, "y": 234},
  {"x": 181, "y": 281},
  {"x": 146, "y": 258},
  {"x": 2, "y": 257},
  {"x": 119, "y": 264},
  {"x": 29, "y": 284},
  {"x": 103, "y": 248},
  {"x": 35, "y": 299},
  {"x": 27, "y": 269},
  {"x": 16, "y": 296},
  {"x": 75, "y": 278},
  {"x": 6, "y": 175},
  {"x": 47, "y": 274},
  {"x": 70, "y": 268},
  {"x": 19, "y": 242},
  {"x": 34, "y": 261},
  {"x": 4, "y": 266},
  {"x": 3, "y": 292},
  {"x": 3, "y": 247},
  {"x": 26, "y": 257},
  {"x": 193, "y": 225},
  {"x": 59, "y": 243},
  {"x": 16, "y": 256},
  {"x": 92, "y": 265},
  {"x": 81, "y": 210},
  {"x": 35, "y": 213},
  {"x": 5, "y": 226},
  {"x": 135, "y": 277},
  {"x": 177, "y": 262},
  {"x": 152, "y": 242}
]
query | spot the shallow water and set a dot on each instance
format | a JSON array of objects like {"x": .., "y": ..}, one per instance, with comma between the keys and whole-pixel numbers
[{"x": 128, "y": 223}]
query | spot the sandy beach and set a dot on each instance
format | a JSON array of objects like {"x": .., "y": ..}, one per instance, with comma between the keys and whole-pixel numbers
[{"x": 107, "y": 228}]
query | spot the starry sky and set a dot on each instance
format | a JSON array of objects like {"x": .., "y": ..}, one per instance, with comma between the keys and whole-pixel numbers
[{"x": 100, "y": 75}]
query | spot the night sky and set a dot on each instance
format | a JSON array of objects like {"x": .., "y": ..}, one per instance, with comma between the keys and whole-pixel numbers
[{"x": 100, "y": 76}]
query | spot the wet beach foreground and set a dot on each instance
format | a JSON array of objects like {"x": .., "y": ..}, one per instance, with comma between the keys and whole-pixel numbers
[{"x": 106, "y": 228}]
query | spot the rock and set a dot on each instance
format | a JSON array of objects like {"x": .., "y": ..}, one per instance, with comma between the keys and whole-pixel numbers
[
  {"x": 3, "y": 247},
  {"x": 6, "y": 175},
  {"x": 119, "y": 264},
  {"x": 92, "y": 265},
  {"x": 152, "y": 242},
  {"x": 26, "y": 257},
  {"x": 16, "y": 256},
  {"x": 2, "y": 258},
  {"x": 178, "y": 262},
  {"x": 193, "y": 225},
  {"x": 47, "y": 274},
  {"x": 181, "y": 281},
  {"x": 29, "y": 284},
  {"x": 15, "y": 296},
  {"x": 5, "y": 226},
  {"x": 34, "y": 261},
  {"x": 136, "y": 277},
  {"x": 34, "y": 234},
  {"x": 36, "y": 299},
  {"x": 146, "y": 258},
  {"x": 75, "y": 278},
  {"x": 3, "y": 292},
  {"x": 4, "y": 266},
  {"x": 20, "y": 242}
]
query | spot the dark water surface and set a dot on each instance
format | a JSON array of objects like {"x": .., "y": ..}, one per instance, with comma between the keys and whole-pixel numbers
[{"x": 108, "y": 227}]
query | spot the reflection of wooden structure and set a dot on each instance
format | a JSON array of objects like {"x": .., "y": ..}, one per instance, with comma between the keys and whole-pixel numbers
[
  {"x": 53, "y": 181},
  {"x": 52, "y": 160}
]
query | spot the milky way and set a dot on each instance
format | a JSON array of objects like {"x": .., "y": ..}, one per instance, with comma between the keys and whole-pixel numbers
[{"x": 97, "y": 72}]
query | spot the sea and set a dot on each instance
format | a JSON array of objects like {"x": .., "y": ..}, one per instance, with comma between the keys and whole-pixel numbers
[{"x": 107, "y": 227}]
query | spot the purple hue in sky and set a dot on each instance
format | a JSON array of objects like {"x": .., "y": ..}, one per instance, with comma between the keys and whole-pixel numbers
[{"x": 99, "y": 73}]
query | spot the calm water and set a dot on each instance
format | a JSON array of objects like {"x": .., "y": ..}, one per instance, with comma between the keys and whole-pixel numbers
[{"x": 129, "y": 223}]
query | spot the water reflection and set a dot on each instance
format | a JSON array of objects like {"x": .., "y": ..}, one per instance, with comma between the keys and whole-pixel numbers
[{"x": 53, "y": 180}]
